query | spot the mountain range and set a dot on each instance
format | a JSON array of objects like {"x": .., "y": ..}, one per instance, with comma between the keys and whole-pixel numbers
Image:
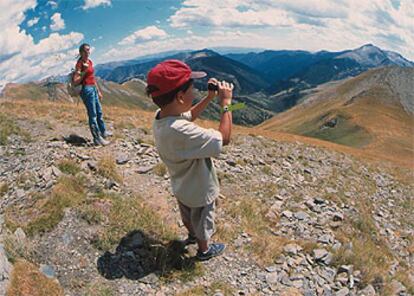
[{"x": 272, "y": 80}]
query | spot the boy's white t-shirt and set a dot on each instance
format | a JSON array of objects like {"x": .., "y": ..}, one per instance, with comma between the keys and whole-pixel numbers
[{"x": 186, "y": 148}]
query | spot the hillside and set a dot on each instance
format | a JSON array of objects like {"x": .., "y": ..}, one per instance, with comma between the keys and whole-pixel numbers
[
  {"x": 301, "y": 69},
  {"x": 298, "y": 219},
  {"x": 269, "y": 81},
  {"x": 129, "y": 94},
  {"x": 245, "y": 79},
  {"x": 373, "y": 111}
]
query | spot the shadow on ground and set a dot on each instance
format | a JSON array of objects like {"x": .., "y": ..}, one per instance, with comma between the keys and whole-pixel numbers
[
  {"x": 138, "y": 255},
  {"x": 75, "y": 140}
]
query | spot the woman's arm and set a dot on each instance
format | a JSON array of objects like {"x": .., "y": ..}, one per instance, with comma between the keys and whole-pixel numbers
[
  {"x": 99, "y": 90},
  {"x": 77, "y": 77}
]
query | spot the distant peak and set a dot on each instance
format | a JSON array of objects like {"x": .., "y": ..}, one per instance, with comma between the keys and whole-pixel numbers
[
  {"x": 369, "y": 46},
  {"x": 203, "y": 53},
  {"x": 206, "y": 51}
]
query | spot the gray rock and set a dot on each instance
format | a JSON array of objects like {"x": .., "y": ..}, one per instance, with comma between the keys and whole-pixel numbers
[
  {"x": 342, "y": 292},
  {"x": 55, "y": 171},
  {"x": 397, "y": 287},
  {"x": 5, "y": 270},
  {"x": 349, "y": 269},
  {"x": 287, "y": 214},
  {"x": 122, "y": 159},
  {"x": 301, "y": 215},
  {"x": 338, "y": 216},
  {"x": 325, "y": 239},
  {"x": 144, "y": 169},
  {"x": 83, "y": 156},
  {"x": 152, "y": 278},
  {"x": 292, "y": 249},
  {"x": 146, "y": 145},
  {"x": 319, "y": 254},
  {"x": 92, "y": 165},
  {"x": 367, "y": 291},
  {"x": 331, "y": 190},
  {"x": 307, "y": 171},
  {"x": 271, "y": 268},
  {"x": 318, "y": 201},
  {"x": 342, "y": 278},
  {"x": 110, "y": 184},
  {"x": 48, "y": 270},
  {"x": 20, "y": 236},
  {"x": 271, "y": 278},
  {"x": 20, "y": 193}
]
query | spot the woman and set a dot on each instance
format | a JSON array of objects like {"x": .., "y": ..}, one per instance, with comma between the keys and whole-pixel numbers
[{"x": 91, "y": 95}]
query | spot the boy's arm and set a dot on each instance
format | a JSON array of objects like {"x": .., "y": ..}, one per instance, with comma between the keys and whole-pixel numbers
[
  {"x": 226, "y": 121},
  {"x": 200, "y": 106}
]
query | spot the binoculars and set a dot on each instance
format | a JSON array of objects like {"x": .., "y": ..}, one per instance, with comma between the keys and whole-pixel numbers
[{"x": 212, "y": 86}]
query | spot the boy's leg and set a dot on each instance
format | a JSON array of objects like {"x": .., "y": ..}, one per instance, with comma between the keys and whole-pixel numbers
[
  {"x": 186, "y": 218},
  {"x": 202, "y": 245},
  {"x": 202, "y": 220}
]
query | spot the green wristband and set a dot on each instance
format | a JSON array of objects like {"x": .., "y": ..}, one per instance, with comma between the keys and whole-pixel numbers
[{"x": 233, "y": 107}]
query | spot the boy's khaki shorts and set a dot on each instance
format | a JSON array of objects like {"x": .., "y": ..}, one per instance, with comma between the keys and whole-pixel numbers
[{"x": 201, "y": 219}]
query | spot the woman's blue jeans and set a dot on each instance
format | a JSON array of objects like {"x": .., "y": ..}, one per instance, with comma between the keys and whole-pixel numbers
[{"x": 89, "y": 95}]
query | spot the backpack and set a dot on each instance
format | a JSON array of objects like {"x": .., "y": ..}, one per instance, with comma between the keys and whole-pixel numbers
[{"x": 73, "y": 89}]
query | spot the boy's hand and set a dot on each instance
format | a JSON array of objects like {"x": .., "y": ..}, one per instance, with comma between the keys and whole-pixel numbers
[
  {"x": 225, "y": 92},
  {"x": 212, "y": 93}
]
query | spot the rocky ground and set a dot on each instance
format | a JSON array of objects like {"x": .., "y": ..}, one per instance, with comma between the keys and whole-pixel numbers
[{"x": 297, "y": 220}]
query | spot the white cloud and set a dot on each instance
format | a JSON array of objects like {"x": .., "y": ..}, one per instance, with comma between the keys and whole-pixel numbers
[
  {"x": 214, "y": 38},
  {"x": 306, "y": 24},
  {"x": 21, "y": 59},
  {"x": 57, "y": 22},
  {"x": 144, "y": 35},
  {"x": 33, "y": 21},
  {"x": 218, "y": 13},
  {"x": 95, "y": 3},
  {"x": 53, "y": 4}
]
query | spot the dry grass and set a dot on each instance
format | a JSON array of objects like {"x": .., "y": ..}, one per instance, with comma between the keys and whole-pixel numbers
[
  {"x": 249, "y": 215},
  {"x": 16, "y": 249},
  {"x": 43, "y": 212},
  {"x": 107, "y": 168},
  {"x": 27, "y": 280},
  {"x": 99, "y": 289},
  {"x": 69, "y": 166},
  {"x": 129, "y": 213},
  {"x": 186, "y": 274},
  {"x": 160, "y": 169},
  {"x": 369, "y": 253},
  {"x": 8, "y": 127},
  {"x": 213, "y": 288},
  {"x": 4, "y": 188}
]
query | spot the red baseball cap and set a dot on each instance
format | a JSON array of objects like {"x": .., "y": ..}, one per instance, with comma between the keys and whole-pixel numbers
[{"x": 169, "y": 75}]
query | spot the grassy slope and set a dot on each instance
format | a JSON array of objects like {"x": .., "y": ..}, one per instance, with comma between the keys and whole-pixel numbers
[
  {"x": 372, "y": 121},
  {"x": 140, "y": 118}
]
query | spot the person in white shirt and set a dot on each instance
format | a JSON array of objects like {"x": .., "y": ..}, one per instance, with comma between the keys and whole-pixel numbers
[{"x": 186, "y": 148}]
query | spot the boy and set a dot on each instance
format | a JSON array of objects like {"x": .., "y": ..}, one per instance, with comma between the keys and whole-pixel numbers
[{"x": 186, "y": 148}]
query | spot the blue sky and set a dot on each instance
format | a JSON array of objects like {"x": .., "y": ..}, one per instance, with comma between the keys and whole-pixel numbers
[{"x": 40, "y": 38}]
